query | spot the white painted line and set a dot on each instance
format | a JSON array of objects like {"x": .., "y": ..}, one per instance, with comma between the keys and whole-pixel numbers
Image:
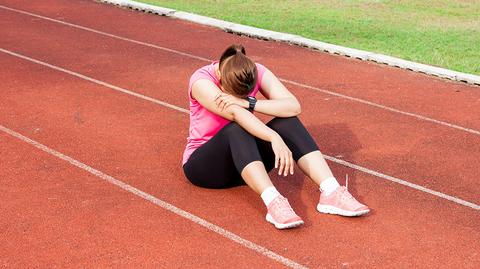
[
  {"x": 420, "y": 117},
  {"x": 162, "y": 103},
  {"x": 106, "y": 34},
  {"x": 108, "y": 85},
  {"x": 299, "y": 40},
  {"x": 403, "y": 182},
  {"x": 165, "y": 205},
  {"x": 450, "y": 125},
  {"x": 284, "y": 80}
]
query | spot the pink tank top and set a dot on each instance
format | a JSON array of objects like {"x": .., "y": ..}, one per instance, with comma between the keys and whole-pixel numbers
[{"x": 203, "y": 123}]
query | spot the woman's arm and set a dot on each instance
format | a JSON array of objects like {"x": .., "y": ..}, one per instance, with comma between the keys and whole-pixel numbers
[
  {"x": 281, "y": 102},
  {"x": 205, "y": 92}
]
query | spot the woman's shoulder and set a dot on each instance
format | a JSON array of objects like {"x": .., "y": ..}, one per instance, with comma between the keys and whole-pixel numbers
[
  {"x": 204, "y": 72},
  {"x": 261, "y": 69},
  {"x": 259, "y": 65}
]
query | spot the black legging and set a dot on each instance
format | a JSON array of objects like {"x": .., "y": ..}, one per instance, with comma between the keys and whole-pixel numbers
[{"x": 219, "y": 162}]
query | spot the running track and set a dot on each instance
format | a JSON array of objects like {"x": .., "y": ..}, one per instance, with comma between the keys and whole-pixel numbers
[{"x": 93, "y": 95}]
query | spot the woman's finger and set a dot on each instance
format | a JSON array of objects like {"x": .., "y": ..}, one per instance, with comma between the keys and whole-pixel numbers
[
  {"x": 229, "y": 102},
  {"x": 218, "y": 101},
  {"x": 221, "y": 103},
  {"x": 219, "y": 96},
  {"x": 287, "y": 165},
  {"x": 277, "y": 160},
  {"x": 292, "y": 163},
  {"x": 225, "y": 105},
  {"x": 282, "y": 164}
]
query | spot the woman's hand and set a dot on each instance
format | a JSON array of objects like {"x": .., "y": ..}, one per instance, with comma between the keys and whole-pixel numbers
[
  {"x": 283, "y": 156},
  {"x": 224, "y": 100}
]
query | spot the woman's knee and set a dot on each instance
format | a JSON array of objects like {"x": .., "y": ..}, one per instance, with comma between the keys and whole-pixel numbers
[
  {"x": 285, "y": 124},
  {"x": 295, "y": 135},
  {"x": 235, "y": 131}
]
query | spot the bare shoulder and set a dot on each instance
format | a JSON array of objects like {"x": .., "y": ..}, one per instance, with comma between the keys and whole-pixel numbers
[
  {"x": 272, "y": 87},
  {"x": 204, "y": 88}
]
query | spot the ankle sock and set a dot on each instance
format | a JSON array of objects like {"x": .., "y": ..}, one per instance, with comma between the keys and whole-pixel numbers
[
  {"x": 269, "y": 194},
  {"x": 329, "y": 185}
]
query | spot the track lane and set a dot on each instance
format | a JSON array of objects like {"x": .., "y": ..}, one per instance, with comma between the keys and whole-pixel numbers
[
  {"x": 390, "y": 86},
  {"x": 56, "y": 215},
  {"x": 409, "y": 147},
  {"x": 127, "y": 138}
]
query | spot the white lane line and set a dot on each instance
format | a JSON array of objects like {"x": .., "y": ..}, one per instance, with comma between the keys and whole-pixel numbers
[
  {"x": 165, "y": 205},
  {"x": 108, "y": 85},
  {"x": 107, "y": 34},
  {"x": 391, "y": 109},
  {"x": 362, "y": 101},
  {"x": 404, "y": 182},
  {"x": 162, "y": 103}
]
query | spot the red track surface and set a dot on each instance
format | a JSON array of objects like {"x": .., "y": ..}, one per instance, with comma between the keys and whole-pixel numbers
[{"x": 54, "y": 214}]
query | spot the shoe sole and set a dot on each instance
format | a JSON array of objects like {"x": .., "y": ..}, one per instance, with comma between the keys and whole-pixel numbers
[
  {"x": 328, "y": 209},
  {"x": 282, "y": 226}
]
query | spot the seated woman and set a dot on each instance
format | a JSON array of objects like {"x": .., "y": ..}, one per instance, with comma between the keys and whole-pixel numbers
[{"x": 229, "y": 146}]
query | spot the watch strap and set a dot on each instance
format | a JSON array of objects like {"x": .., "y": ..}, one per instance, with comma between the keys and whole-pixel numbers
[{"x": 252, "y": 101}]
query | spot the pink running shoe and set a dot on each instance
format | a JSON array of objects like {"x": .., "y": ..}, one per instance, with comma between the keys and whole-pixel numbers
[
  {"x": 341, "y": 202},
  {"x": 281, "y": 214}
]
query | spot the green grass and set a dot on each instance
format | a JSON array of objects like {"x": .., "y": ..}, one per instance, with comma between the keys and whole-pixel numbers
[{"x": 437, "y": 32}]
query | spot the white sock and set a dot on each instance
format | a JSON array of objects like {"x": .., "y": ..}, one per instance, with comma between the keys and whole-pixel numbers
[
  {"x": 269, "y": 194},
  {"x": 329, "y": 185}
]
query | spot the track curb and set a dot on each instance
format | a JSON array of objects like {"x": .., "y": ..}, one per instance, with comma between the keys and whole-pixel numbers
[{"x": 300, "y": 41}]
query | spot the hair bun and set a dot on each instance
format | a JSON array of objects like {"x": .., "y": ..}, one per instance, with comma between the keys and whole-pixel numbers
[
  {"x": 239, "y": 49},
  {"x": 239, "y": 73},
  {"x": 235, "y": 49}
]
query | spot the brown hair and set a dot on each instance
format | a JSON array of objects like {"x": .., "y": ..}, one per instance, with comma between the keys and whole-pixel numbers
[{"x": 238, "y": 72}]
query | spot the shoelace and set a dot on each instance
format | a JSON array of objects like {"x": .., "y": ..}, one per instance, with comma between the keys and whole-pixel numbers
[{"x": 345, "y": 194}]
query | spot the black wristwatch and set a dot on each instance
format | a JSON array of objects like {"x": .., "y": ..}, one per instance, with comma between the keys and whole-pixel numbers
[{"x": 251, "y": 103}]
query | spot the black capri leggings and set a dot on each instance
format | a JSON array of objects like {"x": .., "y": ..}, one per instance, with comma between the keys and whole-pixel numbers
[{"x": 219, "y": 162}]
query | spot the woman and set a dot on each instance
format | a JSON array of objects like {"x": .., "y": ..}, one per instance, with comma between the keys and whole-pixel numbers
[{"x": 229, "y": 146}]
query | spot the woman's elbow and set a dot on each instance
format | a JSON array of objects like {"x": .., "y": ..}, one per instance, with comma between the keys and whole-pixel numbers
[
  {"x": 297, "y": 109},
  {"x": 294, "y": 111},
  {"x": 233, "y": 112}
]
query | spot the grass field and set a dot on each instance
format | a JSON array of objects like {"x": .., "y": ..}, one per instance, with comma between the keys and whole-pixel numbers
[{"x": 437, "y": 32}]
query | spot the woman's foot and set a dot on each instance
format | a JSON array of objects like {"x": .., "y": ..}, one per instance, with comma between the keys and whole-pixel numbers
[
  {"x": 341, "y": 202},
  {"x": 281, "y": 214}
]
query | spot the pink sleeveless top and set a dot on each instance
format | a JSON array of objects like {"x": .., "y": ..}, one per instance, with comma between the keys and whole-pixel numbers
[{"x": 203, "y": 123}]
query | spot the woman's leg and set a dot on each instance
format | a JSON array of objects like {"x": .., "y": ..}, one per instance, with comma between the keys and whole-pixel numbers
[
  {"x": 315, "y": 167},
  {"x": 230, "y": 158},
  {"x": 256, "y": 177},
  {"x": 304, "y": 149},
  {"x": 334, "y": 199},
  {"x": 232, "y": 154}
]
